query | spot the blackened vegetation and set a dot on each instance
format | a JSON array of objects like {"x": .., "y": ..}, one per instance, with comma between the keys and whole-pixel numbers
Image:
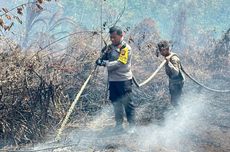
[
  {"x": 37, "y": 89},
  {"x": 24, "y": 112},
  {"x": 25, "y": 100}
]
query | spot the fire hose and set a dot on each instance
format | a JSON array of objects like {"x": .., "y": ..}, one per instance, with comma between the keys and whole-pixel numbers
[
  {"x": 136, "y": 83},
  {"x": 152, "y": 75},
  {"x": 184, "y": 71},
  {"x": 58, "y": 137},
  {"x": 202, "y": 85}
]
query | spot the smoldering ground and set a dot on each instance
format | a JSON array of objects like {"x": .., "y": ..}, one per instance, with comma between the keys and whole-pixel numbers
[
  {"x": 175, "y": 132},
  {"x": 201, "y": 123}
]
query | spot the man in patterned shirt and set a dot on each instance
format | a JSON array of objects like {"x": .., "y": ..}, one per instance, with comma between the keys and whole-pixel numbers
[{"x": 173, "y": 70}]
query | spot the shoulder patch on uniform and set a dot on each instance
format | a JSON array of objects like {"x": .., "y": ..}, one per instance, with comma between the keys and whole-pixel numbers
[{"x": 124, "y": 54}]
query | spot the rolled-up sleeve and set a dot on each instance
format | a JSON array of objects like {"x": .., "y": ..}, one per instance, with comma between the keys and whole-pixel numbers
[{"x": 174, "y": 66}]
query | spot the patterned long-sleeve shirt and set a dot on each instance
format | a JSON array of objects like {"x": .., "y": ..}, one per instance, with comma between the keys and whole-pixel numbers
[{"x": 173, "y": 69}]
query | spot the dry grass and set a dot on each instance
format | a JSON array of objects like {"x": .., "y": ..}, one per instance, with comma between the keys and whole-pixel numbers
[{"x": 37, "y": 88}]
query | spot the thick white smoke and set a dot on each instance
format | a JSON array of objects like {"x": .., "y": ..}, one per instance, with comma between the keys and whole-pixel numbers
[{"x": 176, "y": 128}]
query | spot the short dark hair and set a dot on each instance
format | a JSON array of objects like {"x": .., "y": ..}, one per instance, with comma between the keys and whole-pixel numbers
[
  {"x": 116, "y": 29},
  {"x": 163, "y": 44}
]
